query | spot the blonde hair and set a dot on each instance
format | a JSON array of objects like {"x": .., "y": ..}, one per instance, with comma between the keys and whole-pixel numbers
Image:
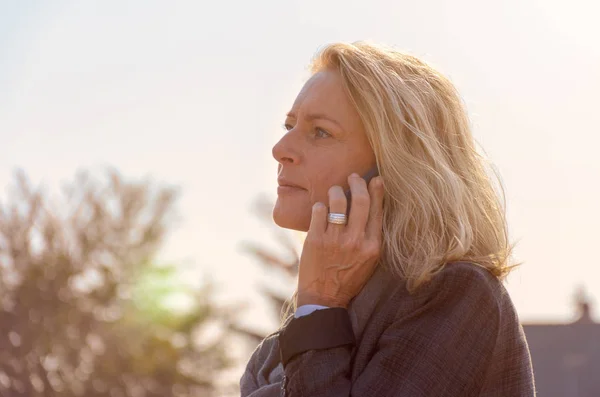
[{"x": 441, "y": 205}]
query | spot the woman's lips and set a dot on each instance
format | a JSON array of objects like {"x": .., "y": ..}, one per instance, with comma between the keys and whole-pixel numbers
[
  {"x": 287, "y": 186},
  {"x": 287, "y": 189}
]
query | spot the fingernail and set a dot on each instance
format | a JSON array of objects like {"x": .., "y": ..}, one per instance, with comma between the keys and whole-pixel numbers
[{"x": 354, "y": 174}]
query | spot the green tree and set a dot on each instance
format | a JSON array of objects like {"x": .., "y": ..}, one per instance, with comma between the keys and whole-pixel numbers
[{"x": 85, "y": 309}]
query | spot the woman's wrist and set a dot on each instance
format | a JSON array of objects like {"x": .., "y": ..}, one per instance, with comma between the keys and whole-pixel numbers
[{"x": 310, "y": 299}]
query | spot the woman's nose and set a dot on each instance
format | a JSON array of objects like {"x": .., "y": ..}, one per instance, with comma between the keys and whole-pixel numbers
[{"x": 284, "y": 151}]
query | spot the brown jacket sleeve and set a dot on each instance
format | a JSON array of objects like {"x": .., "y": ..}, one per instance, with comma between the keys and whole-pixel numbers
[{"x": 442, "y": 347}]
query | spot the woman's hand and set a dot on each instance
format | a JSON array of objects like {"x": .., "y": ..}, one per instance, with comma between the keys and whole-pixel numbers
[{"x": 338, "y": 260}]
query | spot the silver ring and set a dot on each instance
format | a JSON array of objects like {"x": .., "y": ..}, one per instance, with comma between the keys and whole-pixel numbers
[{"x": 337, "y": 218}]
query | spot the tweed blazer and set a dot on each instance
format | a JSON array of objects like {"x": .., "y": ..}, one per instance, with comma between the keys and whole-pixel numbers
[{"x": 458, "y": 335}]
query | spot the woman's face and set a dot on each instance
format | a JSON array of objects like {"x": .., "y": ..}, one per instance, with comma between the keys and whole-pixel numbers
[{"x": 325, "y": 142}]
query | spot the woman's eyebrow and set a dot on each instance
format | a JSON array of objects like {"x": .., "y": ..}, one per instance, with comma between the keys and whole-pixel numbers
[{"x": 314, "y": 116}]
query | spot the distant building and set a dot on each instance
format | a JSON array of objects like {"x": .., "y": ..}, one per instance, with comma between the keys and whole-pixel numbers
[{"x": 566, "y": 357}]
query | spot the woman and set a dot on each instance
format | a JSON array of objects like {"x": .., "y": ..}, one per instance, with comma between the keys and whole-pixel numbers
[{"x": 403, "y": 296}]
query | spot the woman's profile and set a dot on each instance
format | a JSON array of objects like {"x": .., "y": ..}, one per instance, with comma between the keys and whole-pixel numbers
[{"x": 402, "y": 295}]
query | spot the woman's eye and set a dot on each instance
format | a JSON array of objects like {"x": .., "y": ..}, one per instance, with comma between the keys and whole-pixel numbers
[
  {"x": 287, "y": 127},
  {"x": 321, "y": 133}
]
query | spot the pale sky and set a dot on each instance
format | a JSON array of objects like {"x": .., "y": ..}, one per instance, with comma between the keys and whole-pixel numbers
[{"x": 194, "y": 94}]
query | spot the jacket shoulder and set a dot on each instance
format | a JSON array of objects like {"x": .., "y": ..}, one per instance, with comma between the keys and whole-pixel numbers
[
  {"x": 468, "y": 280},
  {"x": 457, "y": 287}
]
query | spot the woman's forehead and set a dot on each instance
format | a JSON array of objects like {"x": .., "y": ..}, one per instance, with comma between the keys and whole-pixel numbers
[{"x": 324, "y": 93}]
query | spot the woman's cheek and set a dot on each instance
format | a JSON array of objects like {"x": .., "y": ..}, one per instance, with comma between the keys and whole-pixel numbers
[{"x": 319, "y": 189}]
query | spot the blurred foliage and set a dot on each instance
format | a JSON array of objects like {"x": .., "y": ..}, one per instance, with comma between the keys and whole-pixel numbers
[
  {"x": 285, "y": 263},
  {"x": 84, "y": 309}
]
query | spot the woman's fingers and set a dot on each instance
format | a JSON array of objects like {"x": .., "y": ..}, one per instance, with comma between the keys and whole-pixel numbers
[
  {"x": 359, "y": 210},
  {"x": 318, "y": 221},
  {"x": 337, "y": 204},
  {"x": 375, "y": 223}
]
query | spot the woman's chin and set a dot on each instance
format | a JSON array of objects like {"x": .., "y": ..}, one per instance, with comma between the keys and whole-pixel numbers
[{"x": 290, "y": 218}]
